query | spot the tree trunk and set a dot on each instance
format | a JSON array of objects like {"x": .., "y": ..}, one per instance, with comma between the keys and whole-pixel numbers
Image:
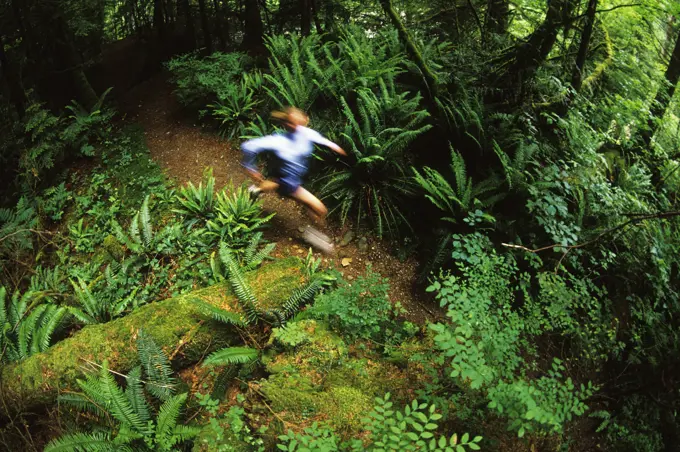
[
  {"x": 497, "y": 16},
  {"x": 521, "y": 62},
  {"x": 178, "y": 325},
  {"x": 411, "y": 49},
  {"x": 254, "y": 29},
  {"x": 577, "y": 74},
  {"x": 16, "y": 92},
  {"x": 305, "y": 17},
  {"x": 207, "y": 38},
  {"x": 218, "y": 24},
  {"x": 669, "y": 430},
  {"x": 663, "y": 95},
  {"x": 190, "y": 30},
  {"x": 85, "y": 94},
  {"x": 315, "y": 15},
  {"x": 158, "y": 20}
]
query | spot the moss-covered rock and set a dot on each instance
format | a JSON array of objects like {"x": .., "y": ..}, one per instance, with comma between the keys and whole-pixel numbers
[
  {"x": 176, "y": 324},
  {"x": 319, "y": 379}
]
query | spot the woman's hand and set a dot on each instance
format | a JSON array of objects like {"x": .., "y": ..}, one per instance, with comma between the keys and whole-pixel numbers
[
  {"x": 338, "y": 150},
  {"x": 255, "y": 175}
]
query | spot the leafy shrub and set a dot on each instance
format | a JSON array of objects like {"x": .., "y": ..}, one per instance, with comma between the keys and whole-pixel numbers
[
  {"x": 358, "y": 310},
  {"x": 98, "y": 307},
  {"x": 408, "y": 430},
  {"x": 357, "y": 61},
  {"x": 87, "y": 126},
  {"x": 197, "y": 203},
  {"x": 16, "y": 230},
  {"x": 290, "y": 81},
  {"x": 488, "y": 342},
  {"x": 237, "y": 217},
  {"x": 201, "y": 81},
  {"x": 54, "y": 200}
]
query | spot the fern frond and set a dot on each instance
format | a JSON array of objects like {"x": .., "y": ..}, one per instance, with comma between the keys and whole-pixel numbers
[
  {"x": 239, "y": 285},
  {"x": 145, "y": 223},
  {"x": 230, "y": 318},
  {"x": 82, "y": 403},
  {"x": 118, "y": 404},
  {"x": 168, "y": 416},
  {"x": 300, "y": 296},
  {"x": 232, "y": 355},
  {"x": 135, "y": 394},
  {"x": 222, "y": 382},
  {"x": 81, "y": 442},
  {"x": 160, "y": 382}
]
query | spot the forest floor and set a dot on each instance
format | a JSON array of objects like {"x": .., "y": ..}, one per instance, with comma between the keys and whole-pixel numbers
[{"x": 184, "y": 149}]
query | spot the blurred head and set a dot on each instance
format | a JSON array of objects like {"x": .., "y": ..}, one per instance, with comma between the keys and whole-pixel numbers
[{"x": 291, "y": 117}]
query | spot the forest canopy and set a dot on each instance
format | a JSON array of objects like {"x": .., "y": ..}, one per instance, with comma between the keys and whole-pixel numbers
[{"x": 506, "y": 220}]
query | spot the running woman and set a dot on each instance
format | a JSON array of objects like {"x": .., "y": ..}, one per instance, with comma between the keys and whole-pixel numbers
[{"x": 292, "y": 150}]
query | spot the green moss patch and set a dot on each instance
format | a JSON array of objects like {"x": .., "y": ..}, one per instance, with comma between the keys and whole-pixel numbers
[{"x": 318, "y": 380}]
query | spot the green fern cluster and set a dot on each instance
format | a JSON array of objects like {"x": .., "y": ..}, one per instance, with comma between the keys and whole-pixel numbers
[
  {"x": 236, "y": 356},
  {"x": 290, "y": 81},
  {"x": 16, "y": 230},
  {"x": 237, "y": 217},
  {"x": 376, "y": 136},
  {"x": 230, "y": 216},
  {"x": 130, "y": 422},
  {"x": 94, "y": 308},
  {"x": 141, "y": 239},
  {"x": 457, "y": 199},
  {"x": 251, "y": 306},
  {"x": 88, "y": 125},
  {"x": 197, "y": 203},
  {"x": 238, "y": 106},
  {"x": 27, "y": 325}
]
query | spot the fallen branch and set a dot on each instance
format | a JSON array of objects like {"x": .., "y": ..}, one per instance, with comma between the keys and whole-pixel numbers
[{"x": 635, "y": 218}]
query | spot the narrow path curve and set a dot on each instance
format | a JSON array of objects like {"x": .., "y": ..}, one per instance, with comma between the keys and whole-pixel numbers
[{"x": 184, "y": 148}]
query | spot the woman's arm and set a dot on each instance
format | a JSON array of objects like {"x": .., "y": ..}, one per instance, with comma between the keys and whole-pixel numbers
[
  {"x": 250, "y": 150},
  {"x": 319, "y": 139}
]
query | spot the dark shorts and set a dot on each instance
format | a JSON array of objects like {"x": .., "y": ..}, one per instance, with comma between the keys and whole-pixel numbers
[{"x": 287, "y": 175}]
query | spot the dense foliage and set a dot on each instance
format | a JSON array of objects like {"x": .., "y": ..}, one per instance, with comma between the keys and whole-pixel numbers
[{"x": 528, "y": 151}]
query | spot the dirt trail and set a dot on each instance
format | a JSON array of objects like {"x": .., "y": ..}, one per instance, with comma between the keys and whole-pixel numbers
[{"x": 183, "y": 148}]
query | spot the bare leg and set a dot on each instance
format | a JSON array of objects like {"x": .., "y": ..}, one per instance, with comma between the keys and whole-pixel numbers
[
  {"x": 307, "y": 199},
  {"x": 268, "y": 186}
]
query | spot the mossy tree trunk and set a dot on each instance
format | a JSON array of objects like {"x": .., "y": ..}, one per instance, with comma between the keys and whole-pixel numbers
[
  {"x": 664, "y": 95},
  {"x": 411, "y": 48},
  {"x": 497, "y": 12},
  {"x": 586, "y": 35},
  {"x": 176, "y": 324}
]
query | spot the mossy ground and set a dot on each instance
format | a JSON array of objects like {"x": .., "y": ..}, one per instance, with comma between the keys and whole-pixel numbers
[{"x": 321, "y": 380}]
